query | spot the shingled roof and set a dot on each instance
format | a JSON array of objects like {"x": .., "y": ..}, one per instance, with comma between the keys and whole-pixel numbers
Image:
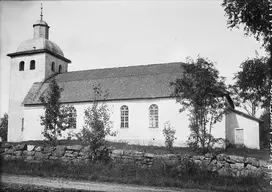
[{"x": 122, "y": 83}]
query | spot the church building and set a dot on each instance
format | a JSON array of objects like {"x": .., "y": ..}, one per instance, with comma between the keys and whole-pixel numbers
[{"x": 139, "y": 97}]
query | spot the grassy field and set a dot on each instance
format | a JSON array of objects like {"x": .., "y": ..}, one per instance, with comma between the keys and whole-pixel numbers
[
  {"x": 157, "y": 175},
  {"x": 261, "y": 154}
]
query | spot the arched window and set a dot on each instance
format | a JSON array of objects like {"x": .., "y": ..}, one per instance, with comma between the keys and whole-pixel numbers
[
  {"x": 60, "y": 69},
  {"x": 53, "y": 66},
  {"x": 72, "y": 117},
  {"x": 153, "y": 116},
  {"x": 21, "y": 66},
  {"x": 32, "y": 65},
  {"x": 124, "y": 116}
]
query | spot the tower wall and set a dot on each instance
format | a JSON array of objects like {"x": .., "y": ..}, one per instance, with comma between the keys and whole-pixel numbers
[
  {"x": 20, "y": 83},
  {"x": 41, "y": 31},
  {"x": 49, "y": 60}
]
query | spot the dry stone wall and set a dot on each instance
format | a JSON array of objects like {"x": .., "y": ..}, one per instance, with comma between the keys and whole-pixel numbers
[{"x": 224, "y": 165}]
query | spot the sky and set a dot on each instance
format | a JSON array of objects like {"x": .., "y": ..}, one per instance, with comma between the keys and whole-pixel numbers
[{"x": 106, "y": 34}]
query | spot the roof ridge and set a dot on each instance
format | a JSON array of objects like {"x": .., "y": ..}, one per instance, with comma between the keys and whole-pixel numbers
[{"x": 143, "y": 65}]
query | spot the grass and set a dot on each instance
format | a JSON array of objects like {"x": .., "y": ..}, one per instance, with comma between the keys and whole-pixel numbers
[
  {"x": 157, "y": 175},
  {"x": 7, "y": 187},
  {"x": 260, "y": 154}
]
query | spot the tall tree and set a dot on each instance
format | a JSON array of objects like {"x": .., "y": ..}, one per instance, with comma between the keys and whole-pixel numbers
[
  {"x": 57, "y": 117},
  {"x": 251, "y": 87},
  {"x": 253, "y": 15},
  {"x": 201, "y": 91}
]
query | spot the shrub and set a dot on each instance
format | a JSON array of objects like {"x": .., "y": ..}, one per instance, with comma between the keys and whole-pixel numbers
[
  {"x": 209, "y": 144},
  {"x": 169, "y": 135},
  {"x": 4, "y": 127}
]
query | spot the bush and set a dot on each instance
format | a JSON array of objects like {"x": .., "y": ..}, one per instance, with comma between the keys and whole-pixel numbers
[
  {"x": 209, "y": 144},
  {"x": 4, "y": 127},
  {"x": 169, "y": 135}
]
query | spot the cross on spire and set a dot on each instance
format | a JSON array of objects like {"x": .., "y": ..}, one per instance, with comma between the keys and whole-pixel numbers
[{"x": 41, "y": 11}]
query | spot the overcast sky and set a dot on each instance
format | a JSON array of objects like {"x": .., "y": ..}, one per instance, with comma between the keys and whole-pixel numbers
[{"x": 102, "y": 34}]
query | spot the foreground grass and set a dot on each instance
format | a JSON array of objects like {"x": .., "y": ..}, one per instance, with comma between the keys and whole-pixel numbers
[
  {"x": 7, "y": 187},
  {"x": 260, "y": 154},
  {"x": 157, "y": 175}
]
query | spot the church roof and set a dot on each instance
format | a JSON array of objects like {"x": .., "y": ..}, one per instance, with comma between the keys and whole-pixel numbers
[
  {"x": 122, "y": 83},
  {"x": 39, "y": 43},
  {"x": 41, "y": 22}
]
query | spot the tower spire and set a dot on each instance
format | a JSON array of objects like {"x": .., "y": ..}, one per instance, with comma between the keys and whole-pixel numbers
[
  {"x": 41, "y": 29},
  {"x": 41, "y": 12}
]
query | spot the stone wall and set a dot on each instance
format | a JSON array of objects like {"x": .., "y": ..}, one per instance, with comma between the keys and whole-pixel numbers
[{"x": 225, "y": 165}]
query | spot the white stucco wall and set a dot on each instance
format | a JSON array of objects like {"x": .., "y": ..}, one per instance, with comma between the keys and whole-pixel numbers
[
  {"x": 32, "y": 124},
  {"x": 58, "y": 62},
  {"x": 234, "y": 121},
  {"x": 251, "y": 131},
  {"x": 138, "y": 131}
]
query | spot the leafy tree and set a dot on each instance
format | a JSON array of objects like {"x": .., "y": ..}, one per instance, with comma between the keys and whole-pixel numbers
[
  {"x": 4, "y": 127},
  {"x": 57, "y": 117},
  {"x": 201, "y": 91},
  {"x": 254, "y": 16},
  {"x": 97, "y": 125},
  {"x": 251, "y": 87}
]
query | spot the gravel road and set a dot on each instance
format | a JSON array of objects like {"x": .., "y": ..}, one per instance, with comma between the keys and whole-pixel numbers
[{"x": 83, "y": 185}]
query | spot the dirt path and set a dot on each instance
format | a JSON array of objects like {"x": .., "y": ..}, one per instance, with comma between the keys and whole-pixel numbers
[{"x": 83, "y": 185}]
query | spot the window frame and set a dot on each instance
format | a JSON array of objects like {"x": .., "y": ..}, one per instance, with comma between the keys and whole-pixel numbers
[
  {"x": 21, "y": 66},
  {"x": 60, "y": 69},
  {"x": 53, "y": 66},
  {"x": 73, "y": 118},
  {"x": 124, "y": 117},
  {"x": 153, "y": 116},
  {"x": 32, "y": 63}
]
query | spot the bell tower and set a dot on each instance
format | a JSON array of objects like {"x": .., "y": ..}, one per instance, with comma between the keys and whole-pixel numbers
[{"x": 35, "y": 60}]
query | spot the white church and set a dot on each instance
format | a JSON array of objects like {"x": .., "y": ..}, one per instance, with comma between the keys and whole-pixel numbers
[{"x": 139, "y": 97}]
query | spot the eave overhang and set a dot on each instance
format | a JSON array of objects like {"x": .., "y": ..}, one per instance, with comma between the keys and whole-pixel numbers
[{"x": 38, "y": 51}]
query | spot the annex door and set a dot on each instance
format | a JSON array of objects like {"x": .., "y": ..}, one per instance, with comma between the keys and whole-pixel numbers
[{"x": 239, "y": 136}]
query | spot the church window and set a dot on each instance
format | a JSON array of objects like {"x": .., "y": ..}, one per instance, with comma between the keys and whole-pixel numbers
[
  {"x": 60, "y": 69},
  {"x": 21, "y": 66},
  {"x": 72, "y": 117},
  {"x": 153, "y": 116},
  {"x": 32, "y": 65},
  {"x": 53, "y": 66},
  {"x": 124, "y": 116}
]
